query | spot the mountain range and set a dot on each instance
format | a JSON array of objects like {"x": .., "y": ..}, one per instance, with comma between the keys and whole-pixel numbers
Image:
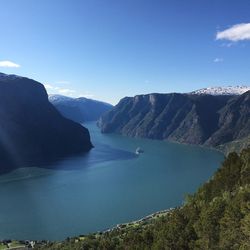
[
  {"x": 210, "y": 120},
  {"x": 31, "y": 129},
  {"x": 79, "y": 109}
]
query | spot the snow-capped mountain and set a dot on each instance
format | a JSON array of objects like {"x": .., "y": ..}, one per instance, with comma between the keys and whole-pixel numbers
[
  {"x": 56, "y": 99},
  {"x": 79, "y": 109},
  {"x": 229, "y": 90},
  {"x": 59, "y": 98}
]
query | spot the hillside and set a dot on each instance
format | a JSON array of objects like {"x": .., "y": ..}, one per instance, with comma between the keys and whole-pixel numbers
[
  {"x": 32, "y": 130},
  {"x": 79, "y": 109},
  {"x": 217, "y": 216},
  {"x": 186, "y": 118}
]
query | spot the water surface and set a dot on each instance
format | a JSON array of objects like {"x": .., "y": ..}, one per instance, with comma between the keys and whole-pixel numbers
[{"x": 96, "y": 191}]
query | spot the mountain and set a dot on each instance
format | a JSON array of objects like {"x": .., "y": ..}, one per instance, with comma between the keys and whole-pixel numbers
[
  {"x": 79, "y": 109},
  {"x": 186, "y": 118},
  {"x": 217, "y": 216},
  {"x": 31, "y": 129},
  {"x": 234, "y": 121},
  {"x": 230, "y": 90}
]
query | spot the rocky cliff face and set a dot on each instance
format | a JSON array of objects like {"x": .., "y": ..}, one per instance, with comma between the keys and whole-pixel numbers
[
  {"x": 186, "y": 118},
  {"x": 31, "y": 129},
  {"x": 234, "y": 121},
  {"x": 79, "y": 109}
]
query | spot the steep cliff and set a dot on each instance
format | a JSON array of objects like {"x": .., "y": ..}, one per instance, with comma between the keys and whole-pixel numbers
[
  {"x": 31, "y": 129},
  {"x": 186, "y": 118}
]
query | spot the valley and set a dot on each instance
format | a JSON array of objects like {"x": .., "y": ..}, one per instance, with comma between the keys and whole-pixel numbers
[{"x": 95, "y": 191}]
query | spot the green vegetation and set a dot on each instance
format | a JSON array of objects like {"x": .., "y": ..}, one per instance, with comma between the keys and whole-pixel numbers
[
  {"x": 217, "y": 216},
  {"x": 12, "y": 245},
  {"x": 2, "y": 246}
]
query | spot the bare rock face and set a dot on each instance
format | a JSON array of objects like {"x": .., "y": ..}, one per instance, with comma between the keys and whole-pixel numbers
[
  {"x": 31, "y": 129},
  {"x": 234, "y": 121},
  {"x": 209, "y": 120}
]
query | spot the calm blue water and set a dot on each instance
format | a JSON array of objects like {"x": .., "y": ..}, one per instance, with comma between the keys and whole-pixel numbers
[{"x": 107, "y": 186}]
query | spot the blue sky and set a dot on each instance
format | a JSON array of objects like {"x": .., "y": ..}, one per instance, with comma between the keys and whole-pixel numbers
[{"x": 108, "y": 49}]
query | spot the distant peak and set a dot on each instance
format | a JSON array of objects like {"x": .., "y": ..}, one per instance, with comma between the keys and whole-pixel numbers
[
  {"x": 229, "y": 90},
  {"x": 55, "y": 98},
  {"x": 59, "y": 98}
]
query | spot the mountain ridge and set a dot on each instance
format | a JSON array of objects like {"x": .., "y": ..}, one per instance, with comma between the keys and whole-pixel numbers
[
  {"x": 227, "y": 90},
  {"x": 185, "y": 118},
  {"x": 79, "y": 109}
]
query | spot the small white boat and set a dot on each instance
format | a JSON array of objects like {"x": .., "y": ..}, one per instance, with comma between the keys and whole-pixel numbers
[{"x": 139, "y": 151}]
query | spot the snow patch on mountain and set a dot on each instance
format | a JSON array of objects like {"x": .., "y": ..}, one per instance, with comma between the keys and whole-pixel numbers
[
  {"x": 229, "y": 90},
  {"x": 55, "y": 99},
  {"x": 59, "y": 98}
]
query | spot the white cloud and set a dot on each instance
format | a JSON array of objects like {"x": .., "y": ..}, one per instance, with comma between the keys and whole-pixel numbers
[
  {"x": 228, "y": 45},
  {"x": 63, "y": 82},
  {"x": 48, "y": 86},
  {"x": 58, "y": 90},
  {"x": 8, "y": 64},
  {"x": 218, "y": 60},
  {"x": 238, "y": 32},
  {"x": 66, "y": 91},
  {"x": 86, "y": 95}
]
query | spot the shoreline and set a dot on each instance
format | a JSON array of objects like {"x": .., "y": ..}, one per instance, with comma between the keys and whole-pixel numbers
[
  {"x": 144, "y": 219},
  {"x": 31, "y": 244}
]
